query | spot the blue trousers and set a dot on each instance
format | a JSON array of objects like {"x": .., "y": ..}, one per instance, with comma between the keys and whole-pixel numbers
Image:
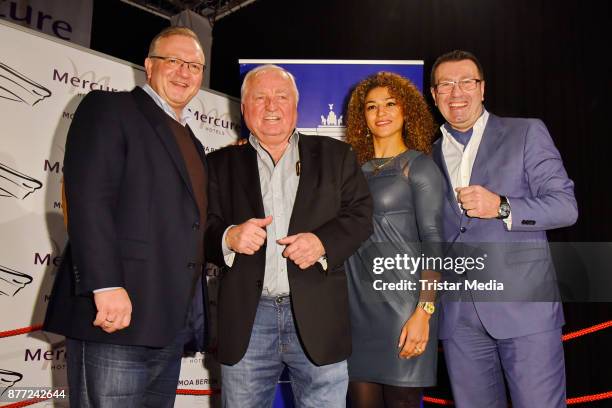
[
  {"x": 274, "y": 344},
  {"x": 533, "y": 366}
]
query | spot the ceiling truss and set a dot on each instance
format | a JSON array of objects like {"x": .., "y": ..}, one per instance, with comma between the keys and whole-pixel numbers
[{"x": 213, "y": 10}]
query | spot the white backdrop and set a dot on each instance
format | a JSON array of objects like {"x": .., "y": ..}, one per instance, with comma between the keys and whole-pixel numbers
[{"x": 42, "y": 81}]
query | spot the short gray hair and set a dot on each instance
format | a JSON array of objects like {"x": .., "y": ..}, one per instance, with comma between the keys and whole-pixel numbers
[
  {"x": 267, "y": 67},
  {"x": 169, "y": 32}
]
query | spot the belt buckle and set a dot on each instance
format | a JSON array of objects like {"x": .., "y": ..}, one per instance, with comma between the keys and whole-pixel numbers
[{"x": 279, "y": 299}]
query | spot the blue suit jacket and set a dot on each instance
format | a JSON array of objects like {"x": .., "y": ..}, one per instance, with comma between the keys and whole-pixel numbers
[{"x": 518, "y": 159}]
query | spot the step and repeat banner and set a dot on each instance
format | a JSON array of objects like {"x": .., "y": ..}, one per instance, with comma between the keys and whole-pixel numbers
[{"x": 42, "y": 81}]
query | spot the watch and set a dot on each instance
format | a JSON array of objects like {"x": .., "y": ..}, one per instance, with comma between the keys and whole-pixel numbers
[
  {"x": 504, "y": 208},
  {"x": 428, "y": 307}
]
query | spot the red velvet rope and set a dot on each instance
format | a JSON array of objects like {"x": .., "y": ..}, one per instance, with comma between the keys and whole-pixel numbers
[
  {"x": 565, "y": 337},
  {"x": 431, "y": 400},
  {"x": 23, "y": 330}
]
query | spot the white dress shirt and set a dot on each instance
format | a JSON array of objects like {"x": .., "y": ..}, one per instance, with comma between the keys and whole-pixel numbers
[{"x": 460, "y": 159}]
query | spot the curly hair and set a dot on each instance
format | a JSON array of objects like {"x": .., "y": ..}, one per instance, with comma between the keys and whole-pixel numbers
[{"x": 419, "y": 126}]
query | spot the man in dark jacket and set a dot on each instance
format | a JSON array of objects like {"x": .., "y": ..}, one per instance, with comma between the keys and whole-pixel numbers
[
  {"x": 135, "y": 182},
  {"x": 286, "y": 211}
]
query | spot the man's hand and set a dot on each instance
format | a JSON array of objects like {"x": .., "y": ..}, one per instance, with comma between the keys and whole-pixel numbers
[
  {"x": 114, "y": 310},
  {"x": 249, "y": 236},
  {"x": 478, "y": 202},
  {"x": 304, "y": 249}
]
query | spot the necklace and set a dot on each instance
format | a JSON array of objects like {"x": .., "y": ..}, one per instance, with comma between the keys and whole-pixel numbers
[{"x": 383, "y": 164}]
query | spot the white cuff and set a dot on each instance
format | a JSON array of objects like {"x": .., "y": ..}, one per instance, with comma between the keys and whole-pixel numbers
[
  {"x": 508, "y": 220},
  {"x": 228, "y": 254},
  {"x": 106, "y": 289},
  {"x": 323, "y": 261}
]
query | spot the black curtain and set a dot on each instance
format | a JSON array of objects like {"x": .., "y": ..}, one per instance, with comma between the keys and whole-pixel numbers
[{"x": 124, "y": 31}]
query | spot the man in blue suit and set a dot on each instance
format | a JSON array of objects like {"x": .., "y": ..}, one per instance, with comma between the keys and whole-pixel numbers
[{"x": 506, "y": 185}]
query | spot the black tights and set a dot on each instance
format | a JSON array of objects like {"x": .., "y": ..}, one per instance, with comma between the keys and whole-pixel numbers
[{"x": 373, "y": 395}]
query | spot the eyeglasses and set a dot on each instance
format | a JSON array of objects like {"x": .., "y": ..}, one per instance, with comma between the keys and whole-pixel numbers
[
  {"x": 466, "y": 85},
  {"x": 194, "y": 67}
]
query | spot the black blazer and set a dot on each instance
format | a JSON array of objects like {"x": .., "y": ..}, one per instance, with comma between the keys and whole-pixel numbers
[
  {"x": 133, "y": 221},
  {"x": 333, "y": 202}
]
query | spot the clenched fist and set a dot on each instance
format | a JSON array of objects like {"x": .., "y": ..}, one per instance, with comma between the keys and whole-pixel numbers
[
  {"x": 478, "y": 202},
  {"x": 304, "y": 248},
  {"x": 249, "y": 236},
  {"x": 114, "y": 310}
]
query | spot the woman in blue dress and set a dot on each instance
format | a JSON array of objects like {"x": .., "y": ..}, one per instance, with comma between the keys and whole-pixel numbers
[{"x": 394, "y": 331}]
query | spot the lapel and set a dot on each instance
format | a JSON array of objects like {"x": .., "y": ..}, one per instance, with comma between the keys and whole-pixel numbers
[
  {"x": 309, "y": 175},
  {"x": 158, "y": 121},
  {"x": 439, "y": 158},
  {"x": 249, "y": 179},
  {"x": 491, "y": 139}
]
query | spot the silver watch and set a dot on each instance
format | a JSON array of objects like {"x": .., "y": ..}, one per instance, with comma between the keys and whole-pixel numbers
[{"x": 504, "y": 208}]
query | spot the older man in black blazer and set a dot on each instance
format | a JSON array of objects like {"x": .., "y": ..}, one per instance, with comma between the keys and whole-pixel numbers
[
  {"x": 135, "y": 180},
  {"x": 286, "y": 210}
]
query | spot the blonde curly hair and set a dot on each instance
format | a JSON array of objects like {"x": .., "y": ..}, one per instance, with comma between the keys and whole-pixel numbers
[{"x": 419, "y": 126}]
